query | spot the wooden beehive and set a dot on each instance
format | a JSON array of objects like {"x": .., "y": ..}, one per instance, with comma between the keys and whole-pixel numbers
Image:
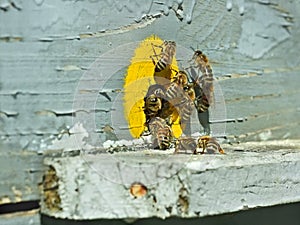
[{"x": 53, "y": 103}]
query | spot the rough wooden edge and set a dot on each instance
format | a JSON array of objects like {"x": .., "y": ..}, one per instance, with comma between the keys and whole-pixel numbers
[
  {"x": 100, "y": 186},
  {"x": 31, "y": 217}
]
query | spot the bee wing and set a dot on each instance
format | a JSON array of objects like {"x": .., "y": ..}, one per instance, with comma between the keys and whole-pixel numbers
[{"x": 203, "y": 118}]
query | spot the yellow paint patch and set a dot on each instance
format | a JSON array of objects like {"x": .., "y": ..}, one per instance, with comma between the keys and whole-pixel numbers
[{"x": 140, "y": 75}]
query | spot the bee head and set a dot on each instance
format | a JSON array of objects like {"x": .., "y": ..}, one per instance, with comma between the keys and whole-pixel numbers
[
  {"x": 169, "y": 43},
  {"x": 198, "y": 53},
  {"x": 181, "y": 77}
]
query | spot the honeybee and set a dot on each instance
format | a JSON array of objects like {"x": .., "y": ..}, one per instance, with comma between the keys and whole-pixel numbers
[
  {"x": 168, "y": 50},
  {"x": 209, "y": 144},
  {"x": 186, "y": 143},
  {"x": 161, "y": 133},
  {"x": 205, "y": 81},
  {"x": 153, "y": 101},
  {"x": 181, "y": 78},
  {"x": 163, "y": 69},
  {"x": 202, "y": 106},
  {"x": 190, "y": 91},
  {"x": 181, "y": 95},
  {"x": 203, "y": 87}
]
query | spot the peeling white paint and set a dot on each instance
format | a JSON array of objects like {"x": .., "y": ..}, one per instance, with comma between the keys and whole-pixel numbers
[
  {"x": 75, "y": 141},
  {"x": 266, "y": 135}
]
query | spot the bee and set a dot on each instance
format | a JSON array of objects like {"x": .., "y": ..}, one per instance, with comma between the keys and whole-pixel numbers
[
  {"x": 203, "y": 87},
  {"x": 205, "y": 81},
  {"x": 190, "y": 91},
  {"x": 181, "y": 78},
  {"x": 186, "y": 143},
  {"x": 201, "y": 101},
  {"x": 209, "y": 144},
  {"x": 176, "y": 91},
  {"x": 163, "y": 70},
  {"x": 161, "y": 133},
  {"x": 174, "y": 95},
  {"x": 153, "y": 101},
  {"x": 168, "y": 50},
  {"x": 181, "y": 95},
  {"x": 153, "y": 105}
]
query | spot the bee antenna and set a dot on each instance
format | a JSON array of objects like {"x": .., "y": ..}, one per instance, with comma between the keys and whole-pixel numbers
[{"x": 192, "y": 48}]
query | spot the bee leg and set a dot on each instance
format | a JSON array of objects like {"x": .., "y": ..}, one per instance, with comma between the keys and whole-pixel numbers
[
  {"x": 155, "y": 54},
  {"x": 153, "y": 61},
  {"x": 203, "y": 146},
  {"x": 156, "y": 46},
  {"x": 195, "y": 151},
  {"x": 204, "y": 121}
]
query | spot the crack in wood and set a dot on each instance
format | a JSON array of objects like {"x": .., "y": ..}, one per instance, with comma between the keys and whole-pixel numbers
[
  {"x": 5, "y": 6},
  {"x": 9, "y": 114},
  {"x": 11, "y": 38},
  {"x": 145, "y": 21}
]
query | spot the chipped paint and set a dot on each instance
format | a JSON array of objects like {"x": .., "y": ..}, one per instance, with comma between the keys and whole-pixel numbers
[
  {"x": 68, "y": 68},
  {"x": 189, "y": 14},
  {"x": 51, "y": 196},
  {"x": 239, "y": 3},
  {"x": 9, "y": 113},
  {"x": 146, "y": 21},
  {"x": 18, "y": 194},
  {"x": 5, "y": 200},
  {"x": 7, "y": 5},
  {"x": 11, "y": 38},
  {"x": 268, "y": 33},
  {"x": 75, "y": 141}
]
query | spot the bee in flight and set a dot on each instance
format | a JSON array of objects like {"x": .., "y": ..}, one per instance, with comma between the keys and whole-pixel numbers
[
  {"x": 209, "y": 144},
  {"x": 161, "y": 133},
  {"x": 200, "y": 62},
  {"x": 202, "y": 78}
]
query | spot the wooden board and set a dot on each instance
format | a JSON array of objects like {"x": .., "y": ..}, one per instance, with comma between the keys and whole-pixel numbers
[
  {"x": 30, "y": 218},
  {"x": 147, "y": 183}
]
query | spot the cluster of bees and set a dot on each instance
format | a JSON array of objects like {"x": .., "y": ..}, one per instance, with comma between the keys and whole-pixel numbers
[{"x": 177, "y": 96}]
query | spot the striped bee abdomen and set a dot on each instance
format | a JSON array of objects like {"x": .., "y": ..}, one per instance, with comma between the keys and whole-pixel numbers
[
  {"x": 209, "y": 144},
  {"x": 161, "y": 133},
  {"x": 201, "y": 103},
  {"x": 168, "y": 50},
  {"x": 163, "y": 137},
  {"x": 205, "y": 79},
  {"x": 213, "y": 146},
  {"x": 184, "y": 144}
]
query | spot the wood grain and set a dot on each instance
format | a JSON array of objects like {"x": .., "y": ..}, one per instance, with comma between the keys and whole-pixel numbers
[{"x": 46, "y": 48}]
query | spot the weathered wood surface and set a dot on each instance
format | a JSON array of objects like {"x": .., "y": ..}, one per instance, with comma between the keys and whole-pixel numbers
[
  {"x": 93, "y": 186},
  {"x": 43, "y": 57},
  {"x": 46, "y": 48},
  {"x": 30, "y": 218}
]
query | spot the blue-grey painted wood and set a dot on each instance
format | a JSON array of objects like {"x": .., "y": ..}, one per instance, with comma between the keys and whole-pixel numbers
[
  {"x": 30, "y": 218},
  {"x": 47, "y": 47}
]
